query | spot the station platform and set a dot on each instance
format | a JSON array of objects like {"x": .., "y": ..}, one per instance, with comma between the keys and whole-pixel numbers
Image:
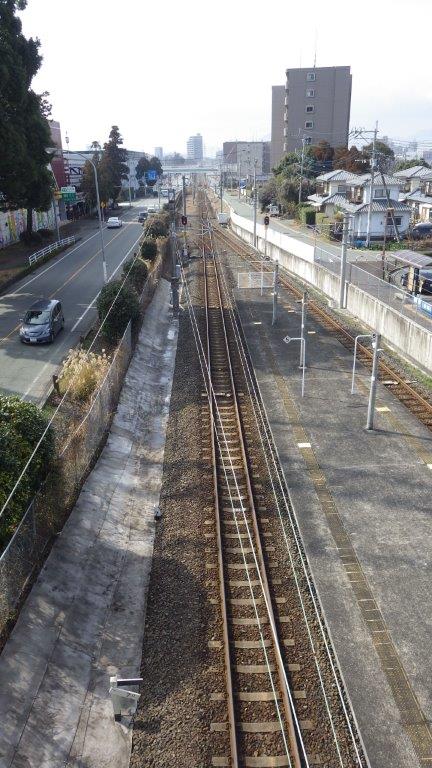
[{"x": 362, "y": 500}]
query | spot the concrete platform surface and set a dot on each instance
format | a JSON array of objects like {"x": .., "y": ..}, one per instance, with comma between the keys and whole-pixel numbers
[
  {"x": 363, "y": 502},
  {"x": 83, "y": 620}
]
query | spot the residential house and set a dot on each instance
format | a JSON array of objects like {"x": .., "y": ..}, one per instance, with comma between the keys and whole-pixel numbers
[
  {"x": 350, "y": 193},
  {"x": 416, "y": 191}
]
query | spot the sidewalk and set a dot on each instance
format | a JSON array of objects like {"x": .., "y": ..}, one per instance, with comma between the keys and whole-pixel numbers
[
  {"x": 362, "y": 501},
  {"x": 84, "y": 618}
]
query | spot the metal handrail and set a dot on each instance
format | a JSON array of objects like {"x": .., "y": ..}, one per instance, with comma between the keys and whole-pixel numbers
[{"x": 34, "y": 257}]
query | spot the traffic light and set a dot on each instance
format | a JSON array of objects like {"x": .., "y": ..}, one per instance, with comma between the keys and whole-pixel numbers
[
  {"x": 184, "y": 220},
  {"x": 266, "y": 221}
]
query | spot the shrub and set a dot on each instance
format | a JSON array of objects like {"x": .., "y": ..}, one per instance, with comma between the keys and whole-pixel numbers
[
  {"x": 21, "y": 426},
  {"x": 149, "y": 249},
  {"x": 125, "y": 308},
  {"x": 157, "y": 226},
  {"x": 136, "y": 273},
  {"x": 307, "y": 215},
  {"x": 82, "y": 373},
  {"x": 45, "y": 232}
]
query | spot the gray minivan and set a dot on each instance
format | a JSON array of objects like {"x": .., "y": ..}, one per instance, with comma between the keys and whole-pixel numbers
[{"x": 42, "y": 322}]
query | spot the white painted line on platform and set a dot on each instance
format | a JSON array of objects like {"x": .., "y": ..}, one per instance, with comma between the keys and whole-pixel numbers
[{"x": 304, "y": 445}]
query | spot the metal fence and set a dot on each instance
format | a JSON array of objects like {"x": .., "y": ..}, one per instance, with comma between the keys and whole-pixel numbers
[
  {"x": 387, "y": 293},
  {"x": 51, "y": 505},
  {"x": 34, "y": 257}
]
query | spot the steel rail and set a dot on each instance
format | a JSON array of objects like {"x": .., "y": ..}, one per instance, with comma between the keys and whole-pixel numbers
[
  {"x": 245, "y": 252},
  {"x": 261, "y": 563}
]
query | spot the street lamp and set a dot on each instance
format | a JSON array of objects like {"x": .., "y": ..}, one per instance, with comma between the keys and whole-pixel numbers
[{"x": 104, "y": 267}]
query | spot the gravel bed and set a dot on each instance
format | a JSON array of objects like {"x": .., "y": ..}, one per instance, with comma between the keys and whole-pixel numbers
[{"x": 172, "y": 723}]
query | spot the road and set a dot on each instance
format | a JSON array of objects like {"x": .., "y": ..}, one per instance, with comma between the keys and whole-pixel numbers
[{"x": 75, "y": 278}]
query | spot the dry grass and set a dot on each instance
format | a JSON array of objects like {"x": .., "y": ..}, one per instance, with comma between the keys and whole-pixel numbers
[{"x": 82, "y": 373}]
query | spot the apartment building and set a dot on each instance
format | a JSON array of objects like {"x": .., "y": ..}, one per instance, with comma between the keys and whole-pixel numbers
[
  {"x": 243, "y": 156},
  {"x": 195, "y": 147},
  {"x": 277, "y": 124},
  {"x": 317, "y": 104}
]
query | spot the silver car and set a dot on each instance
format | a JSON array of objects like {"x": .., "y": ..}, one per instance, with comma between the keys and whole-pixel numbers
[{"x": 42, "y": 322}]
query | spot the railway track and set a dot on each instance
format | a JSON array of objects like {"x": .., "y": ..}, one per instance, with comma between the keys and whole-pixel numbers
[
  {"x": 388, "y": 376},
  {"x": 277, "y": 710}
]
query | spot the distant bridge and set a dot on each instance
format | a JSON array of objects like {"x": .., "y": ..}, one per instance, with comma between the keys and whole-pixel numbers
[{"x": 186, "y": 170}]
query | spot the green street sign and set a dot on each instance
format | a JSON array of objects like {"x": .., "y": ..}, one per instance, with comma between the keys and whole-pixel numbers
[{"x": 69, "y": 197}]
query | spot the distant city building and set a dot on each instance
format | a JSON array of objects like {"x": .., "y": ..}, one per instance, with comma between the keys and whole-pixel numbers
[
  {"x": 158, "y": 152},
  {"x": 317, "y": 108},
  {"x": 195, "y": 147},
  {"x": 243, "y": 156},
  {"x": 427, "y": 156},
  {"x": 277, "y": 124}
]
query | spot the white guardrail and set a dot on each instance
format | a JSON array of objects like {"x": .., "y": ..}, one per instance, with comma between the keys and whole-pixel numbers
[{"x": 50, "y": 248}]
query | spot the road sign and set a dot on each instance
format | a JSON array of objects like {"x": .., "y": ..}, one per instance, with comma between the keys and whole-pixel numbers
[
  {"x": 287, "y": 339},
  {"x": 68, "y": 194},
  {"x": 151, "y": 175}
]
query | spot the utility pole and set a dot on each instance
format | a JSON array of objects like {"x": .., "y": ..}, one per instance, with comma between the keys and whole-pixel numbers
[
  {"x": 255, "y": 206},
  {"x": 239, "y": 177},
  {"x": 55, "y": 219},
  {"x": 301, "y": 168},
  {"x": 345, "y": 233},
  {"x": 374, "y": 381},
  {"x": 390, "y": 210},
  {"x": 174, "y": 278},
  {"x": 275, "y": 291},
  {"x": 130, "y": 198},
  {"x": 221, "y": 191},
  {"x": 369, "y": 216},
  {"x": 104, "y": 266},
  {"x": 184, "y": 194}
]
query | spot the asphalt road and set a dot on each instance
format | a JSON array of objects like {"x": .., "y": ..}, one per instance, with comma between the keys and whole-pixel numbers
[{"x": 75, "y": 278}]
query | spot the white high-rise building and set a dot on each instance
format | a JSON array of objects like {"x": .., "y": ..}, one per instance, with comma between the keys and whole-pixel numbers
[
  {"x": 158, "y": 152},
  {"x": 195, "y": 147}
]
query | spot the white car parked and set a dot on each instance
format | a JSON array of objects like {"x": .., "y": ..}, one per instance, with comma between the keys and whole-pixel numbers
[{"x": 114, "y": 222}]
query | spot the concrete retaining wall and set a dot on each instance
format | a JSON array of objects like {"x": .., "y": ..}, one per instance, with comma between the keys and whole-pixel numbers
[{"x": 402, "y": 333}]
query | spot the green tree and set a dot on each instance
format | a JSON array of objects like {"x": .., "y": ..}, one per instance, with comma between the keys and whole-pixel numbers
[
  {"x": 268, "y": 193},
  {"x": 149, "y": 249},
  {"x": 175, "y": 159},
  {"x": 25, "y": 180},
  {"x": 403, "y": 165},
  {"x": 157, "y": 226},
  {"x": 116, "y": 305},
  {"x": 112, "y": 167},
  {"x": 144, "y": 165},
  {"x": 21, "y": 427},
  {"x": 384, "y": 153}
]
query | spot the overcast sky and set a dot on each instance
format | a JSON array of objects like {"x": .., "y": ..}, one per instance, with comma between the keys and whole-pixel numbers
[{"x": 165, "y": 70}]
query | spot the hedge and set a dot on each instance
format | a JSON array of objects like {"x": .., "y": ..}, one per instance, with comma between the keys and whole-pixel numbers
[
  {"x": 307, "y": 215},
  {"x": 21, "y": 427},
  {"x": 124, "y": 308}
]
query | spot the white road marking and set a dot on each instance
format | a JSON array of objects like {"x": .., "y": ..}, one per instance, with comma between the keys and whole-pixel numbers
[
  {"x": 68, "y": 253},
  {"x": 74, "y": 327}
]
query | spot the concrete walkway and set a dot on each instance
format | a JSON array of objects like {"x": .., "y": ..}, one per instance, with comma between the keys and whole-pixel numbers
[{"x": 83, "y": 620}]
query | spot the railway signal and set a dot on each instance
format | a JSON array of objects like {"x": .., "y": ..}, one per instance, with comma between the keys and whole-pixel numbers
[
  {"x": 184, "y": 220},
  {"x": 266, "y": 221}
]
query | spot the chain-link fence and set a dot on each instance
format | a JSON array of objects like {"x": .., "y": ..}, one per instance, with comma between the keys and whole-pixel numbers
[{"x": 51, "y": 505}]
